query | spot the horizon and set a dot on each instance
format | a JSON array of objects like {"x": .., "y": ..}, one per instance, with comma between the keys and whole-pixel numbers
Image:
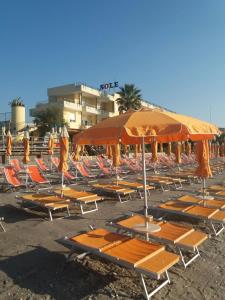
[{"x": 173, "y": 52}]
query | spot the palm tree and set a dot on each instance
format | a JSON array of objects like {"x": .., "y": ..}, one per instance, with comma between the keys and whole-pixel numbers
[{"x": 130, "y": 97}]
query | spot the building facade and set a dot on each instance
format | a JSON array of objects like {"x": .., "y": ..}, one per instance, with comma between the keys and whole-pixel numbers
[{"x": 82, "y": 106}]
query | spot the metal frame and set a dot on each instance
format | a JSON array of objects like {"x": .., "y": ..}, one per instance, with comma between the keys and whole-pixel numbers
[
  {"x": 83, "y": 212},
  {"x": 141, "y": 272},
  {"x": 1, "y": 224}
]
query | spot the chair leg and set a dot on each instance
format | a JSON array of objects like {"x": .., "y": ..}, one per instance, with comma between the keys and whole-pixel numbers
[
  {"x": 217, "y": 232},
  {"x": 50, "y": 214},
  {"x": 197, "y": 254},
  {"x": 83, "y": 212},
  {"x": 154, "y": 291}
]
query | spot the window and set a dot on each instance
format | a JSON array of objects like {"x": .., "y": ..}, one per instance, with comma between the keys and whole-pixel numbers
[{"x": 72, "y": 117}]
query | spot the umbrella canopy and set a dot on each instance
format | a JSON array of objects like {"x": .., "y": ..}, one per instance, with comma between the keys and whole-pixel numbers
[
  {"x": 64, "y": 150},
  {"x": 51, "y": 145},
  {"x": 202, "y": 155},
  {"x": 26, "y": 147},
  {"x": 9, "y": 144},
  {"x": 127, "y": 128}
]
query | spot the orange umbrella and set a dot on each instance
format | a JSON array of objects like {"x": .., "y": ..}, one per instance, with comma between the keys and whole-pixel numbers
[
  {"x": 9, "y": 144},
  {"x": 116, "y": 155},
  {"x": 182, "y": 147},
  {"x": 135, "y": 151},
  {"x": 109, "y": 151},
  {"x": 217, "y": 150},
  {"x": 161, "y": 147},
  {"x": 178, "y": 153},
  {"x": 26, "y": 147},
  {"x": 127, "y": 128},
  {"x": 202, "y": 155},
  {"x": 169, "y": 149},
  {"x": 221, "y": 149},
  {"x": 224, "y": 149},
  {"x": 154, "y": 148},
  {"x": 51, "y": 145},
  {"x": 64, "y": 152},
  {"x": 140, "y": 127},
  {"x": 76, "y": 156},
  {"x": 188, "y": 149}
]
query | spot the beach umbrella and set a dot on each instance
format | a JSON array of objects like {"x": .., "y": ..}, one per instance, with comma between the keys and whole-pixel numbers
[
  {"x": 169, "y": 149},
  {"x": 154, "y": 148},
  {"x": 202, "y": 156},
  {"x": 221, "y": 149},
  {"x": 224, "y": 149},
  {"x": 161, "y": 147},
  {"x": 51, "y": 145},
  {"x": 178, "y": 153},
  {"x": 3, "y": 137},
  {"x": 9, "y": 144},
  {"x": 26, "y": 147},
  {"x": 109, "y": 151},
  {"x": 143, "y": 127},
  {"x": 64, "y": 152},
  {"x": 188, "y": 149}
]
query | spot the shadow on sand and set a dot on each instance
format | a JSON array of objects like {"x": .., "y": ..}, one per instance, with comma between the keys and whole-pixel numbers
[{"x": 43, "y": 272}]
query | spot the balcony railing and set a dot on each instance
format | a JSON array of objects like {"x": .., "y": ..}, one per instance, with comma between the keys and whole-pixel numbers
[
  {"x": 92, "y": 110},
  {"x": 71, "y": 105}
]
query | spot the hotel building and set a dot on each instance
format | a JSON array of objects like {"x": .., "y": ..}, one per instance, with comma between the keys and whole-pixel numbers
[{"x": 82, "y": 106}]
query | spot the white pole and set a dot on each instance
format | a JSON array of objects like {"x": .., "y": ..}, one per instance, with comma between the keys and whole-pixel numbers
[
  {"x": 62, "y": 179},
  {"x": 144, "y": 177}
]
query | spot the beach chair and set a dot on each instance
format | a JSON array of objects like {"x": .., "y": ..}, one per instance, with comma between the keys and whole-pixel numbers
[
  {"x": 69, "y": 176},
  {"x": 41, "y": 164},
  {"x": 84, "y": 173},
  {"x": 51, "y": 203},
  {"x": 36, "y": 177},
  {"x": 1, "y": 224},
  {"x": 212, "y": 203},
  {"x": 144, "y": 258},
  {"x": 16, "y": 164},
  {"x": 11, "y": 177},
  {"x": 163, "y": 184},
  {"x": 82, "y": 198},
  {"x": 215, "y": 217},
  {"x": 176, "y": 181},
  {"x": 123, "y": 194},
  {"x": 137, "y": 186},
  {"x": 184, "y": 238}
]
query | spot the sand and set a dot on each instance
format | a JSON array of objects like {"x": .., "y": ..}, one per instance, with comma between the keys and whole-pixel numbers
[{"x": 33, "y": 261}]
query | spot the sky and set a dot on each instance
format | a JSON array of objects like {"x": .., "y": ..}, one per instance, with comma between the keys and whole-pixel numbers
[{"x": 173, "y": 50}]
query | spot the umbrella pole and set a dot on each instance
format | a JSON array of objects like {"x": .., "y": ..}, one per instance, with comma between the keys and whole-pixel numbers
[
  {"x": 204, "y": 187},
  {"x": 62, "y": 179},
  {"x": 144, "y": 177}
]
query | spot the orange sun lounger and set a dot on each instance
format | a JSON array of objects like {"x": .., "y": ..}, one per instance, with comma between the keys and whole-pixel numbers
[
  {"x": 46, "y": 201},
  {"x": 145, "y": 258},
  {"x": 212, "y": 215},
  {"x": 139, "y": 187},
  {"x": 81, "y": 198},
  {"x": 11, "y": 177},
  {"x": 121, "y": 192},
  {"x": 220, "y": 204},
  {"x": 184, "y": 238}
]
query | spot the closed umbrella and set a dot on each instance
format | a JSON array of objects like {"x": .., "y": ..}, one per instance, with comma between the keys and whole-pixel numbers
[
  {"x": 169, "y": 149},
  {"x": 109, "y": 151},
  {"x": 154, "y": 148},
  {"x": 178, "y": 153},
  {"x": 51, "y": 146},
  {"x": 161, "y": 147},
  {"x": 9, "y": 144},
  {"x": 26, "y": 152},
  {"x": 64, "y": 152},
  {"x": 188, "y": 149},
  {"x": 202, "y": 156}
]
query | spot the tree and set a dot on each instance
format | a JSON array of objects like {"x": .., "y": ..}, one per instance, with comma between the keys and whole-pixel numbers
[
  {"x": 130, "y": 97},
  {"x": 47, "y": 118}
]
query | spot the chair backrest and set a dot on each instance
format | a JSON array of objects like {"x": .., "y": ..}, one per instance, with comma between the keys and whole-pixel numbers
[
  {"x": 104, "y": 169},
  {"x": 41, "y": 164},
  {"x": 68, "y": 175},
  {"x": 16, "y": 164},
  {"x": 82, "y": 170},
  {"x": 55, "y": 161},
  {"x": 35, "y": 174},
  {"x": 11, "y": 177}
]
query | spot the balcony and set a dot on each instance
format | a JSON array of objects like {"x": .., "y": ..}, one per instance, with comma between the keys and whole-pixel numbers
[
  {"x": 106, "y": 113},
  {"x": 92, "y": 110},
  {"x": 72, "y": 106}
]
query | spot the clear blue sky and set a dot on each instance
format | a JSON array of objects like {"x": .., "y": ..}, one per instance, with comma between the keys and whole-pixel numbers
[{"x": 173, "y": 50}]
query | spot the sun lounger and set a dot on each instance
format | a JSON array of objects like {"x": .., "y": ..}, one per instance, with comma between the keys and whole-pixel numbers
[
  {"x": 139, "y": 187},
  {"x": 81, "y": 198},
  {"x": 123, "y": 194},
  {"x": 41, "y": 164},
  {"x": 36, "y": 177},
  {"x": 212, "y": 215},
  {"x": 176, "y": 181},
  {"x": 184, "y": 238},
  {"x": 201, "y": 201},
  {"x": 162, "y": 183},
  {"x": 145, "y": 258},
  {"x": 16, "y": 164},
  {"x": 11, "y": 177},
  {"x": 49, "y": 202}
]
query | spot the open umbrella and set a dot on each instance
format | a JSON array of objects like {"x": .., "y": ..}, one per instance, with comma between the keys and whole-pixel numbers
[
  {"x": 64, "y": 152},
  {"x": 9, "y": 144},
  {"x": 143, "y": 127}
]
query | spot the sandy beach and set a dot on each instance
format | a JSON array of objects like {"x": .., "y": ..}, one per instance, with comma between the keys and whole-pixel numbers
[{"x": 33, "y": 261}]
